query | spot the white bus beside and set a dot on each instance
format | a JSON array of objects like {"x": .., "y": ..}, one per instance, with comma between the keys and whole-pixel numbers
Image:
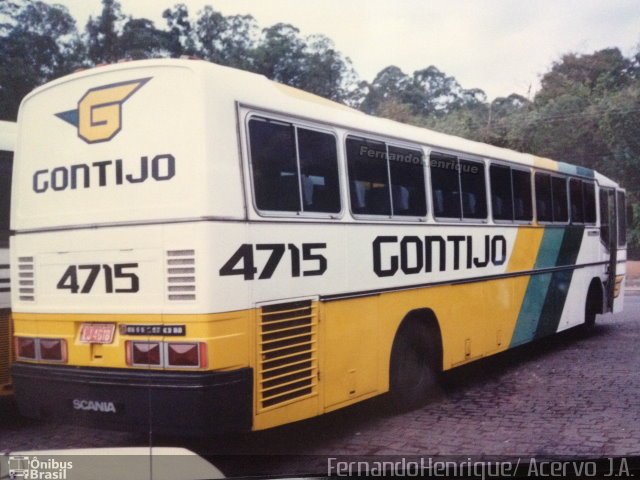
[{"x": 7, "y": 145}]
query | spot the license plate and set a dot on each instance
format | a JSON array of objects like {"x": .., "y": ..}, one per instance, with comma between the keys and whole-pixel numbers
[{"x": 97, "y": 332}]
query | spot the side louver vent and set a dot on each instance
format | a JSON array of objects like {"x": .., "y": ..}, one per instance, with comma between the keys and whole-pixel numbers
[
  {"x": 26, "y": 279},
  {"x": 288, "y": 359},
  {"x": 5, "y": 285},
  {"x": 181, "y": 275}
]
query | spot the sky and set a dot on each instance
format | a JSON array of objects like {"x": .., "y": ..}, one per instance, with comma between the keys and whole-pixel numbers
[{"x": 500, "y": 46}]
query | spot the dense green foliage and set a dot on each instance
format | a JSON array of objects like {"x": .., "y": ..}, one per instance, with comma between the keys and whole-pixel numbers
[{"x": 587, "y": 111}]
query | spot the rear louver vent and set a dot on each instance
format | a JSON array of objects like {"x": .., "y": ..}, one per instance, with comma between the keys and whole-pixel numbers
[
  {"x": 26, "y": 279},
  {"x": 288, "y": 362},
  {"x": 5, "y": 287},
  {"x": 181, "y": 275}
]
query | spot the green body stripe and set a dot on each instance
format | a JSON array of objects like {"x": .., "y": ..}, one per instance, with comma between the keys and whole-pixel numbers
[
  {"x": 536, "y": 293},
  {"x": 560, "y": 281},
  {"x": 546, "y": 293},
  {"x": 575, "y": 170}
]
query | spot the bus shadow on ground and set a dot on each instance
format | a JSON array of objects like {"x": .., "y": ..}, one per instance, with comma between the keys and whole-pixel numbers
[
  {"x": 494, "y": 366},
  {"x": 269, "y": 448}
]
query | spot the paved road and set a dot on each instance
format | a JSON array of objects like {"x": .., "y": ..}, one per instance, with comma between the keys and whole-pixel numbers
[{"x": 572, "y": 394}]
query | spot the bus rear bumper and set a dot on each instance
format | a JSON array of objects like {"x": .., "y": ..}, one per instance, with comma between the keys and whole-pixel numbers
[{"x": 176, "y": 403}]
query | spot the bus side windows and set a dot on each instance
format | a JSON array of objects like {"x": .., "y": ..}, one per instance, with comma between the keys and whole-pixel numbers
[
  {"x": 622, "y": 219},
  {"x": 559, "y": 199},
  {"x": 474, "y": 189},
  {"x": 543, "y": 197},
  {"x": 458, "y": 188},
  {"x": 605, "y": 231},
  {"x": 576, "y": 200},
  {"x": 319, "y": 170},
  {"x": 589, "y": 196},
  {"x": 582, "y": 200},
  {"x": 368, "y": 177},
  {"x": 406, "y": 167},
  {"x": 445, "y": 186},
  {"x": 385, "y": 179},
  {"x": 273, "y": 160},
  {"x": 511, "y": 194},
  {"x": 294, "y": 169},
  {"x": 501, "y": 192},
  {"x": 522, "y": 199}
]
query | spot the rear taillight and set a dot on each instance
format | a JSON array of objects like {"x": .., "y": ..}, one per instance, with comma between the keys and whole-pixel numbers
[
  {"x": 143, "y": 353},
  {"x": 186, "y": 354},
  {"x": 53, "y": 350},
  {"x": 44, "y": 349},
  {"x": 25, "y": 348},
  {"x": 166, "y": 354}
]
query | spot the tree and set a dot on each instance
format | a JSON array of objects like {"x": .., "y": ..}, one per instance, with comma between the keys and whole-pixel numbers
[
  {"x": 38, "y": 42},
  {"x": 140, "y": 39},
  {"x": 390, "y": 85},
  {"x": 227, "y": 40},
  {"x": 181, "y": 33},
  {"x": 325, "y": 71},
  {"x": 280, "y": 53},
  {"x": 238, "y": 41},
  {"x": 598, "y": 73},
  {"x": 102, "y": 33}
]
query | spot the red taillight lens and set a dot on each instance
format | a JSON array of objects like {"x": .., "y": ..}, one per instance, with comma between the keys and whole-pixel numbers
[
  {"x": 186, "y": 354},
  {"x": 26, "y": 348},
  {"x": 143, "y": 353},
  {"x": 53, "y": 350}
]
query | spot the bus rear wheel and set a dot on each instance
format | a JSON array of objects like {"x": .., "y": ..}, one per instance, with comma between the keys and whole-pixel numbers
[{"x": 413, "y": 374}]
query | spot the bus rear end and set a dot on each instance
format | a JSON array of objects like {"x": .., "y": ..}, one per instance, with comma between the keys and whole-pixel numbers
[{"x": 111, "y": 320}]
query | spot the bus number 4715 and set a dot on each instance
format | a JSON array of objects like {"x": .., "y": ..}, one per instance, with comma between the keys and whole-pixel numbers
[
  {"x": 302, "y": 263},
  {"x": 116, "y": 278}
]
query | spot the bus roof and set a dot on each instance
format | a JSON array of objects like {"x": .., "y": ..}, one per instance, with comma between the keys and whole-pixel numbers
[{"x": 256, "y": 90}]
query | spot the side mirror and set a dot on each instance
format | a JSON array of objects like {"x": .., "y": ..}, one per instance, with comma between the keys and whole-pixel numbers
[{"x": 630, "y": 215}]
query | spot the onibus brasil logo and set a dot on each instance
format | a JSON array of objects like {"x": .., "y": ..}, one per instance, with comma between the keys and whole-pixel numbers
[
  {"x": 98, "y": 117},
  {"x": 23, "y": 467}
]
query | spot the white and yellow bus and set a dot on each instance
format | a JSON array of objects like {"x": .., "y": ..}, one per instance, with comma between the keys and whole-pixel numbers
[
  {"x": 198, "y": 248},
  {"x": 7, "y": 145}
]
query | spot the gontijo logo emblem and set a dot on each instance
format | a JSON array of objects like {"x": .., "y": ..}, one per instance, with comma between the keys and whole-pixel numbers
[{"x": 99, "y": 113}]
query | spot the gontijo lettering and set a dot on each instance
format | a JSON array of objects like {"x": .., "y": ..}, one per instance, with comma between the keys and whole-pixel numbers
[{"x": 103, "y": 173}]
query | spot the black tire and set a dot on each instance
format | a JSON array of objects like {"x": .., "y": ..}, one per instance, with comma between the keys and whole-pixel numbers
[
  {"x": 591, "y": 308},
  {"x": 413, "y": 375}
]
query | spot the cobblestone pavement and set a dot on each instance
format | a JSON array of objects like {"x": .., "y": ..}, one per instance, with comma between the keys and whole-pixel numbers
[{"x": 570, "y": 395}]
